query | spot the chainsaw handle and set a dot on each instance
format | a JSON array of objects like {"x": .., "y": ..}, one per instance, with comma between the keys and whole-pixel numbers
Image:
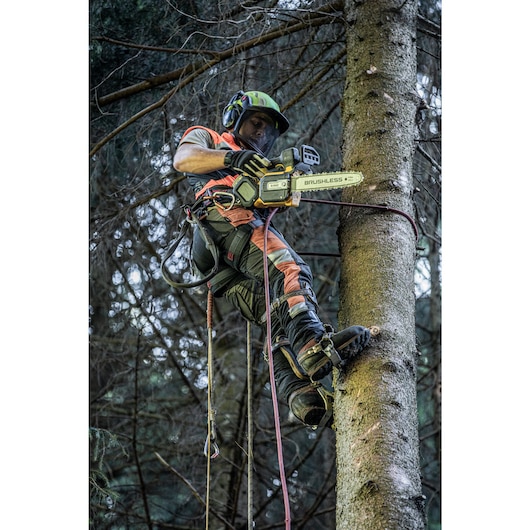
[
  {"x": 291, "y": 157},
  {"x": 288, "y": 159}
]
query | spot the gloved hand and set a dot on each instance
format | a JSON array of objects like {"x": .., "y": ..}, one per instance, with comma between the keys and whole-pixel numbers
[{"x": 247, "y": 161}]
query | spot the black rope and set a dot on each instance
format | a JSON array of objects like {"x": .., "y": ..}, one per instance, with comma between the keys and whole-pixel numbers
[{"x": 373, "y": 206}]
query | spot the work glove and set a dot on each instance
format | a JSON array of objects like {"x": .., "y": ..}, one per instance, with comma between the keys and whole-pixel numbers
[{"x": 247, "y": 161}]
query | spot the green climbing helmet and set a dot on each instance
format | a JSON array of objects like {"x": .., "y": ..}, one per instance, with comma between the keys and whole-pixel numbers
[{"x": 244, "y": 102}]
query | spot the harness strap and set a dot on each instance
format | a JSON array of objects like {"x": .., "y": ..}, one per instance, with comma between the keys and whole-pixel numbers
[
  {"x": 193, "y": 215},
  {"x": 275, "y": 304},
  {"x": 237, "y": 240},
  {"x": 282, "y": 344},
  {"x": 325, "y": 345},
  {"x": 327, "y": 397}
]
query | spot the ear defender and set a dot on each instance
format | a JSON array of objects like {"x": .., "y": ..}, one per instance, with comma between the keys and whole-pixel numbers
[{"x": 232, "y": 111}]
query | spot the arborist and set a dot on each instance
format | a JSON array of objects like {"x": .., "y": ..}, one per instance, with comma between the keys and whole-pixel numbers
[{"x": 304, "y": 349}]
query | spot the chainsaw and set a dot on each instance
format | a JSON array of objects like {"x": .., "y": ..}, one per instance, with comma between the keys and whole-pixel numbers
[{"x": 290, "y": 174}]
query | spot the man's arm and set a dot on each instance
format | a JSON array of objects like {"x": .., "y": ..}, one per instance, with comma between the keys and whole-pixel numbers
[{"x": 193, "y": 158}]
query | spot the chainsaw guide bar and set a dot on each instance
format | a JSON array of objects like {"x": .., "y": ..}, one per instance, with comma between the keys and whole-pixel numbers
[{"x": 325, "y": 181}]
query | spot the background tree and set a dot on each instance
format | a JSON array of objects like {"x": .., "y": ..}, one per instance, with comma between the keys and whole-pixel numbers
[{"x": 157, "y": 68}]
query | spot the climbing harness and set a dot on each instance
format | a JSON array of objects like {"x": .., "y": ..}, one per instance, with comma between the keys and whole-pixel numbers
[{"x": 196, "y": 213}]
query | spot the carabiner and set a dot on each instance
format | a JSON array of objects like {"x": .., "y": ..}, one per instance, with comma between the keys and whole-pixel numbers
[
  {"x": 216, "y": 450},
  {"x": 221, "y": 194},
  {"x": 212, "y": 441}
]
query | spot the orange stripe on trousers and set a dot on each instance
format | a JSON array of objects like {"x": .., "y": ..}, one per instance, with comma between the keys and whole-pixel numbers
[{"x": 289, "y": 269}]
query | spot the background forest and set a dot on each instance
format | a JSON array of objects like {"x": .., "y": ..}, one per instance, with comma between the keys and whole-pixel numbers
[
  {"x": 44, "y": 391},
  {"x": 157, "y": 68}
]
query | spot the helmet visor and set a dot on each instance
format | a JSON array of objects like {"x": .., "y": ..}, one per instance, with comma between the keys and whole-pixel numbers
[{"x": 258, "y": 130}]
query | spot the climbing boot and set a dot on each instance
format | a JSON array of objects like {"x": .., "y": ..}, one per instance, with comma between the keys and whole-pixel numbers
[
  {"x": 317, "y": 357},
  {"x": 309, "y": 401},
  {"x": 312, "y": 404}
]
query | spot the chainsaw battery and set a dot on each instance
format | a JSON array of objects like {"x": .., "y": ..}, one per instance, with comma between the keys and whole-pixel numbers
[{"x": 272, "y": 190}]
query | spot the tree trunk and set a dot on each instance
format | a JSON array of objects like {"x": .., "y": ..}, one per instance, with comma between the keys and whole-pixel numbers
[{"x": 378, "y": 472}]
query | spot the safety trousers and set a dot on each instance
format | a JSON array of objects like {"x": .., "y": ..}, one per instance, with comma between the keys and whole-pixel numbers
[{"x": 239, "y": 234}]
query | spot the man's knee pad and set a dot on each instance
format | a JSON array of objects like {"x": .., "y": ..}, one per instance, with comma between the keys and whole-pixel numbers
[{"x": 247, "y": 296}]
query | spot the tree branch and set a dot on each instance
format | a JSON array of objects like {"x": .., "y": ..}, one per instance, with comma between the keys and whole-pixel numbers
[
  {"x": 199, "y": 66},
  {"x": 132, "y": 45},
  {"x": 195, "y": 493}
]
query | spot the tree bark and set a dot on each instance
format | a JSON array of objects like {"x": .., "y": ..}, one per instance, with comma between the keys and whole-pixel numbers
[{"x": 378, "y": 472}]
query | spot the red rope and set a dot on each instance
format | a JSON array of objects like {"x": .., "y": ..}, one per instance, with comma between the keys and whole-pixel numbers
[
  {"x": 271, "y": 376},
  {"x": 269, "y": 336}
]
